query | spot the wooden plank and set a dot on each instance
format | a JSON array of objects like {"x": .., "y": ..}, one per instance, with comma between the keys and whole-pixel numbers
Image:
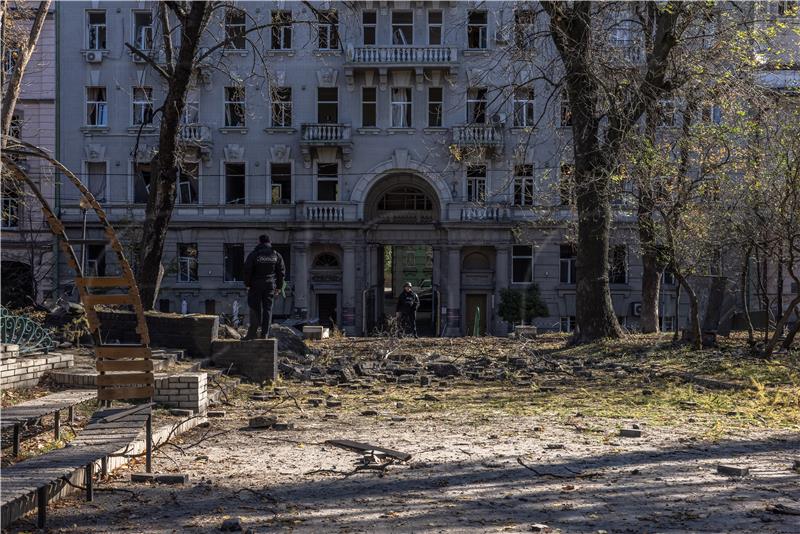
[
  {"x": 103, "y": 281},
  {"x": 125, "y": 393},
  {"x": 140, "y": 411},
  {"x": 124, "y": 365},
  {"x": 123, "y": 379},
  {"x": 122, "y": 351},
  {"x": 363, "y": 447},
  {"x": 110, "y": 300}
]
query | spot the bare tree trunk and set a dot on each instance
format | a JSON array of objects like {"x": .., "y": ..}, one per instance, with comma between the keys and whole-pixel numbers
[
  {"x": 744, "y": 289},
  {"x": 676, "y": 320},
  {"x": 15, "y": 82},
  {"x": 791, "y": 335},
  {"x": 779, "y": 326},
  {"x": 651, "y": 273},
  {"x": 161, "y": 201},
  {"x": 694, "y": 313}
]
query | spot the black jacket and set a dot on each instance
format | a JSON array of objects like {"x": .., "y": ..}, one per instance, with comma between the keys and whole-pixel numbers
[
  {"x": 264, "y": 268},
  {"x": 407, "y": 302}
]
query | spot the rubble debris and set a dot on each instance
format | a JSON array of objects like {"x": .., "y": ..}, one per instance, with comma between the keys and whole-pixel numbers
[
  {"x": 172, "y": 478},
  {"x": 228, "y": 332},
  {"x": 630, "y": 433},
  {"x": 233, "y": 524},
  {"x": 732, "y": 471},
  {"x": 366, "y": 447},
  {"x": 262, "y": 421}
]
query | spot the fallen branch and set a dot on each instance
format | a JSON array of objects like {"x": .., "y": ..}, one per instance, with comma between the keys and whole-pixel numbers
[{"x": 573, "y": 474}]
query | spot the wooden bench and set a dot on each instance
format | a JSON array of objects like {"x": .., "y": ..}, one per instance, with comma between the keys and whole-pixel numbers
[
  {"x": 40, "y": 478},
  {"x": 26, "y": 412}
]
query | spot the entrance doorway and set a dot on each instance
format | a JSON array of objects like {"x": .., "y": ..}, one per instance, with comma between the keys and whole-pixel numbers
[
  {"x": 408, "y": 263},
  {"x": 476, "y": 314},
  {"x": 327, "y": 306}
]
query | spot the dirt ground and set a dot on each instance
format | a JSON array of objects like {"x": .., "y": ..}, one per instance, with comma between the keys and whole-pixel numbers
[{"x": 486, "y": 457}]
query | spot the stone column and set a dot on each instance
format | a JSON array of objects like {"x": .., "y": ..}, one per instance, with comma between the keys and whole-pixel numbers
[
  {"x": 300, "y": 275},
  {"x": 453, "y": 291},
  {"x": 348, "y": 288},
  {"x": 502, "y": 267}
]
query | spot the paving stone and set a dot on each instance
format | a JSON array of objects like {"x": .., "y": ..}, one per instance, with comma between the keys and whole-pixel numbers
[
  {"x": 172, "y": 478},
  {"x": 369, "y": 413},
  {"x": 733, "y": 471},
  {"x": 142, "y": 477},
  {"x": 630, "y": 432},
  {"x": 333, "y": 403},
  {"x": 216, "y": 413}
]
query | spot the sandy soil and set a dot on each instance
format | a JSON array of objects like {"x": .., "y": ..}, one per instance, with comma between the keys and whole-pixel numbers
[{"x": 466, "y": 474}]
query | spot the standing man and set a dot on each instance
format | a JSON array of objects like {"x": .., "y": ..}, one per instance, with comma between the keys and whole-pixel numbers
[
  {"x": 264, "y": 273},
  {"x": 407, "y": 306}
]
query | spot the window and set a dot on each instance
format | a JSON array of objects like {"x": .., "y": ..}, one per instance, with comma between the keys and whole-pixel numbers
[
  {"x": 566, "y": 110},
  {"x": 476, "y": 183},
  {"x": 566, "y": 185},
  {"x": 233, "y": 259},
  {"x": 15, "y": 131},
  {"x": 618, "y": 265},
  {"x": 96, "y": 179},
  {"x": 235, "y": 24},
  {"x": 96, "y": 106},
  {"x": 788, "y": 8},
  {"x": 434, "y": 28},
  {"x": 666, "y": 113},
  {"x": 402, "y": 27},
  {"x": 401, "y": 107},
  {"x": 477, "y": 29},
  {"x": 234, "y": 107},
  {"x": 435, "y": 107},
  {"x": 328, "y": 105},
  {"x": 143, "y": 30},
  {"x": 523, "y": 185},
  {"x": 187, "y": 183},
  {"x": 567, "y": 263},
  {"x": 164, "y": 305},
  {"x": 667, "y": 323},
  {"x": 522, "y": 264},
  {"x": 95, "y": 260},
  {"x": 191, "y": 113},
  {"x": 235, "y": 183},
  {"x": 568, "y": 323},
  {"x": 369, "y": 26},
  {"x": 141, "y": 182},
  {"x": 524, "y": 29},
  {"x": 523, "y": 107},
  {"x": 668, "y": 278},
  {"x": 369, "y": 107},
  {"x": 405, "y": 199},
  {"x": 187, "y": 262},
  {"x": 96, "y": 31},
  {"x": 328, "y": 181},
  {"x": 142, "y": 105},
  {"x": 327, "y": 30},
  {"x": 10, "y": 207},
  {"x": 10, "y": 57},
  {"x": 281, "y": 30},
  {"x": 282, "y": 107},
  {"x": 476, "y": 105},
  {"x": 281, "y": 176},
  {"x": 326, "y": 260}
]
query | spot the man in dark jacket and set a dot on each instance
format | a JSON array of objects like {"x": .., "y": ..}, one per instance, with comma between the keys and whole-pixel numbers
[
  {"x": 407, "y": 306},
  {"x": 264, "y": 273}
]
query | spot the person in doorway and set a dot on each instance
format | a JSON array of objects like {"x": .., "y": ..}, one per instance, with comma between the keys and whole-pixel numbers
[
  {"x": 264, "y": 273},
  {"x": 407, "y": 306}
]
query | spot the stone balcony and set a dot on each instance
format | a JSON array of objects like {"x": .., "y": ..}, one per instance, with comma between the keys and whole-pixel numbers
[
  {"x": 198, "y": 137},
  {"x": 325, "y": 212},
  {"x": 384, "y": 58},
  {"x": 324, "y": 137},
  {"x": 486, "y": 138}
]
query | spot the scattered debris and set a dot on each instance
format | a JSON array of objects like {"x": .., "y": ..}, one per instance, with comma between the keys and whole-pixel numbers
[
  {"x": 181, "y": 412},
  {"x": 233, "y": 524},
  {"x": 630, "y": 433},
  {"x": 216, "y": 413},
  {"x": 364, "y": 447},
  {"x": 783, "y": 509},
  {"x": 733, "y": 471},
  {"x": 171, "y": 478},
  {"x": 142, "y": 477},
  {"x": 262, "y": 421}
]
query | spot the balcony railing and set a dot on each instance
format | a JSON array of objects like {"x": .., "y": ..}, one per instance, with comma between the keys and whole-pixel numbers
[
  {"x": 478, "y": 135},
  {"x": 195, "y": 133},
  {"x": 402, "y": 55},
  {"x": 485, "y": 213},
  {"x": 326, "y": 211},
  {"x": 325, "y": 133}
]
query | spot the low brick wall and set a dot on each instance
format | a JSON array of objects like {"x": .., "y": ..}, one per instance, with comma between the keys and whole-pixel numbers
[
  {"x": 256, "y": 359},
  {"x": 193, "y": 333},
  {"x": 25, "y": 371},
  {"x": 184, "y": 390}
]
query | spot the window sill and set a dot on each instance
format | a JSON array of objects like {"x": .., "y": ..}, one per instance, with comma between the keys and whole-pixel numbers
[
  {"x": 145, "y": 131},
  {"x": 409, "y": 131},
  {"x": 243, "y": 52},
  {"x": 234, "y": 129},
  {"x": 281, "y": 130},
  {"x": 435, "y": 129},
  {"x": 95, "y": 129},
  {"x": 473, "y": 52},
  {"x": 327, "y": 53},
  {"x": 369, "y": 131},
  {"x": 290, "y": 52}
]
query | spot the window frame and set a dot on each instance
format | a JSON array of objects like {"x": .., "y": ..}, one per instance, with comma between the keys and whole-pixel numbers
[
  {"x": 373, "y": 104},
  {"x": 101, "y": 107},
  {"x": 474, "y": 105},
  {"x": 369, "y": 25},
  {"x": 327, "y": 102},
  {"x": 566, "y": 187},
  {"x": 226, "y": 256},
  {"x": 526, "y": 105},
  {"x": 136, "y": 36},
  {"x": 272, "y": 184},
  {"x": 338, "y": 181},
  {"x": 481, "y": 28},
  {"x": 242, "y": 201},
  {"x": 281, "y": 108},
  {"x": 613, "y": 277},
  {"x": 181, "y": 182},
  {"x": 569, "y": 262},
  {"x": 524, "y": 30},
  {"x": 401, "y": 26},
  {"x": 476, "y": 182},
  {"x": 134, "y": 175},
  {"x": 233, "y": 103},
  {"x": 438, "y": 103},
  {"x": 104, "y": 193},
  {"x": 143, "y": 105},
  {"x": 431, "y": 25},
  {"x": 192, "y": 264},
  {"x": 280, "y": 28},
  {"x": 229, "y": 28},
  {"x": 101, "y": 28},
  {"x": 527, "y": 257},
  {"x": 10, "y": 207},
  {"x": 331, "y": 33},
  {"x": 406, "y": 106},
  {"x": 524, "y": 184}
]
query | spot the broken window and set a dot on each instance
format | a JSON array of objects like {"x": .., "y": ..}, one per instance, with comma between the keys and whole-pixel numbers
[
  {"x": 187, "y": 183},
  {"x": 235, "y": 24},
  {"x": 235, "y": 107},
  {"x": 523, "y": 185},
  {"x": 327, "y": 30},
  {"x": 96, "y": 106},
  {"x": 402, "y": 27},
  {"x": 328, "y": 181},
  {"x": 618, "y": 265},
  {"x": 476, "y": 183},
  {"x": 141, "y": 182},
  {"x": 96, "y": 30},
  {"x": 96, "y": 179},
  {"x": 477, "y": 29},
  {"x": 328, "y": 105},
  {"x": 281, "y": 175},
  {"x": 233, "y": 257},
  {"x": 568, "y": 263},
  {"x": 142, "y": 106},
  {"x": 235, "y": 183},
  {"x": 95, "y": 260},
  {"x": 281, "y": 30},
  {"x": 143, "y": 30},
  {"x": 522, "y": 264},
  {"x": 187, "y": 262}
]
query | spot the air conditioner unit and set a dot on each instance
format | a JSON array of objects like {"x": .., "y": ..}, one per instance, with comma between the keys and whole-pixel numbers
[
  {"x": 636, "y": 309},
  {"x": 94, "y": 56}
]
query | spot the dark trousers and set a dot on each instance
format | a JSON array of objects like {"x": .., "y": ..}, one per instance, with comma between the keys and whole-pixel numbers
[
  {"x": 408, "y": 322},
  {"x": 260, "y": 303}
]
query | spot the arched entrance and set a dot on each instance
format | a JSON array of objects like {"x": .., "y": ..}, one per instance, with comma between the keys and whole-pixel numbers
[{"x": 401, "y": 215}]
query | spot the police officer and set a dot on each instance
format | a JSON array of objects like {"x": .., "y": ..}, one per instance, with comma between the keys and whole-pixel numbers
[
  {"x": 264, "y": 273},
  {"x": 407, "y": 306}
]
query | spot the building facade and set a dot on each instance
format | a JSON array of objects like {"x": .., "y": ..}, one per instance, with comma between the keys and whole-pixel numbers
[{"x": 375, "y": 142}]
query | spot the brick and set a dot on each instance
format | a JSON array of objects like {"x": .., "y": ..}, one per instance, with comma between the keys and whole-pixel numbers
[{"x": 733, "y": 471}]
